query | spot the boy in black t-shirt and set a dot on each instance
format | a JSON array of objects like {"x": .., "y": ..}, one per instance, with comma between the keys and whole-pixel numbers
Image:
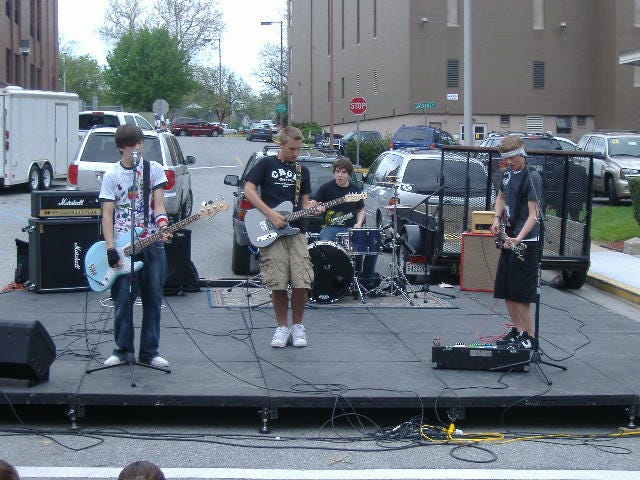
[{"x": 286, "y": 261}]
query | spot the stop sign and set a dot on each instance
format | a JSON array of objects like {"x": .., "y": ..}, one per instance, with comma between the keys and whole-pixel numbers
[{"x": 358, "y": 105}]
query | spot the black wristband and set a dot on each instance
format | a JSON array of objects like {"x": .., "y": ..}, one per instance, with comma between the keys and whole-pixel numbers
[{"x": 112, "y": 257}]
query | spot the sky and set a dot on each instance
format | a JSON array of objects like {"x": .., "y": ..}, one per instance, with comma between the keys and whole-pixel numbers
[{"x": 242, "y": 40}]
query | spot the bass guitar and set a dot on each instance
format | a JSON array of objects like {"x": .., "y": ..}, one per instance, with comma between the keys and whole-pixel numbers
[
  {"x": 96, "y": 266},
  {"x": 262, "y": 232}
]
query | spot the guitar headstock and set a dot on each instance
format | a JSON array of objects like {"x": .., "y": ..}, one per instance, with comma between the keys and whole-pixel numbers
[
  {"x": 354, "y": 197},
  {"x": 210, "y": 209}
]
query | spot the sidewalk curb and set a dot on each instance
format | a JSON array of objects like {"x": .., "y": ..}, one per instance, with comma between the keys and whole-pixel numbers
[{"x": 614, "y": 287}]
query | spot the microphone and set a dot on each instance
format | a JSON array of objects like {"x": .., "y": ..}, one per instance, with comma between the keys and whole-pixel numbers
[{"x": 134, "y": 156}]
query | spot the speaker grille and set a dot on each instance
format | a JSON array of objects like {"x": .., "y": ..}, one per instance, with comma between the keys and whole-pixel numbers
[{"x": 478, "y": 262}]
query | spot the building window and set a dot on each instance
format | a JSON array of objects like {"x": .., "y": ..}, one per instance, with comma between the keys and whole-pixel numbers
[
  {"x": 8, "y": 68},
  {"x": 375, "y": 18},
  {"x": 7, "y": 8},
  {"x": 342, "y": 23},
  {"x": 564, "y": 125},
  {"x": 538, "y": 14},
  {"x": 17, "y": 69},
  {"x": 636, "y": 11},
  {"x": 453, "y": 73},
  {"x": 32, "y": 18},
  {"x": 375, "y": 81},
  {"x": 358, "y": 22},
  {"x": 16, "y": 11},
  {"x": 505, "y": 120},
  {"x": 538, "y": 74},
  {"x": 453, "y": 7},
  {"x": 39, "y": 20}
]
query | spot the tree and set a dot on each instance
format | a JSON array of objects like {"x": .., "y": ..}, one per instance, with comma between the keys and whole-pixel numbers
[
  {"x": 81, "y": 75},
  {"x": 192, "y": 22},
  {"x": 268, "y": 72},
  {"x": 235, "y": 92},
  {"x": 146, "y": 65}
]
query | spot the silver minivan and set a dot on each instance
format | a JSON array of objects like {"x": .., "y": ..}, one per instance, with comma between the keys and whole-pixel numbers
[{"x": 98, "y": 153}]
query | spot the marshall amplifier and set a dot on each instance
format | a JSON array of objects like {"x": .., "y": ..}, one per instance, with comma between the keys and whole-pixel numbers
[
  {"x": 57, "y": 248},
  {"x": 65, "y": 203}
]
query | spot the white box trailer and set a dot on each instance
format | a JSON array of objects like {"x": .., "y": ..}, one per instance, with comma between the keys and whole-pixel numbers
[{"x": 39, "y": 135}]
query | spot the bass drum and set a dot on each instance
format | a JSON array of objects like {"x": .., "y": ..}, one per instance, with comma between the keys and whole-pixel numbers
[{"x": 332, "y": 270}]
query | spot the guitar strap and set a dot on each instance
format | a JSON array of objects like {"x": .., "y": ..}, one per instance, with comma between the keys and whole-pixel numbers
[
  {"x": 146, "y": 167},
  {"x": 523, "y": 195},
  {"x": 298, "y": 183}
]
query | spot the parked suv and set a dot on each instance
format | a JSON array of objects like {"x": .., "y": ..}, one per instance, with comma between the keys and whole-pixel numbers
[
  {"x": 98, "y": 152},
  {"x": 616, "y": 158},
  {"x": 90, "y": 118},
  {"x": 420, "y": 136},
  {"x": 340, "y": 144},
  {"x": 413, "y": 175},
  {"x": 320, "y": 165},
  {"x": 194, "y": 126}
]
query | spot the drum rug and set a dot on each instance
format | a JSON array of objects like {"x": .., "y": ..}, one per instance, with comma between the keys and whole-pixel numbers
[{"x": 252, "y": 297}]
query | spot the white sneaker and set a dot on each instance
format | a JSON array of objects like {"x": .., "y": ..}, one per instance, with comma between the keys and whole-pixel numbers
[
  {"x": 280, "y": 337},
  {"x": 113, "y": 360},
  {"x": 298, "y": 335},
  {"x": 159, "y": 362}
]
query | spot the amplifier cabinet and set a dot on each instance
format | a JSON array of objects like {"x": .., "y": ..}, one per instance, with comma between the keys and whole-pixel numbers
[
  {"x": 65, "y": 203},
  {"x": 478, "y": 262},
  {"x": 56, "y": 252}
]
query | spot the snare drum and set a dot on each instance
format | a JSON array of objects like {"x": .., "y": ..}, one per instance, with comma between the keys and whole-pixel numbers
[
  {"x": 342, "y": 239},
  {"x": 332, "y": 270},
  {"x": 365, "y": 241}
]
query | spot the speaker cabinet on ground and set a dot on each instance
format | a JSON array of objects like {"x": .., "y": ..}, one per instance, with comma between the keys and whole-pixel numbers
[
  {"x": 26, "y": 351},
  {"x": 478, "y": 262},
  {"x": 178, "y": 262},
  {"x": 56, "y": 252}
]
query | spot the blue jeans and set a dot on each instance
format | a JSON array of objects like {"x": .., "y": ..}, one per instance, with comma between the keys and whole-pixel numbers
[
  {"x": 149, "y": 282},
  {"x": 368, "y": 265}
]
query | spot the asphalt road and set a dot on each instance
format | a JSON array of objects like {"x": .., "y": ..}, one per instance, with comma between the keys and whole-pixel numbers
[{"x": 304, "y": 444}]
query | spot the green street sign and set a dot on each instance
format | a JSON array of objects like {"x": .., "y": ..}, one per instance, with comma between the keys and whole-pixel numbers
[
  {"x": 281, "y": 107},
  {"x": 423, "y": 105}
]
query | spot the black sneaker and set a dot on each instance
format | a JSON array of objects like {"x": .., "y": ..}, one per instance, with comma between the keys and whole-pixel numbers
[
  {"x": 509, "y": 337},
  {"x": 525, "y": 342}
]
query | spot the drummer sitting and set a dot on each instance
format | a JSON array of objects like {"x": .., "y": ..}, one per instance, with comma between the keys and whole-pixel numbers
[{"x": 343, "y": 217}]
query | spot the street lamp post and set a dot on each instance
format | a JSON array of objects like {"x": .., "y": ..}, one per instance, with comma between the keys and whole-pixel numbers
[
  {"x": 219, "y": 39},
  {"x": 281, "y": 65}
]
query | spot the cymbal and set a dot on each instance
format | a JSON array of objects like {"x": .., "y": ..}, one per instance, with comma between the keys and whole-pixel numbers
[
  {"x": 392, "y": 184},
  {"x": 391, "y": 207}
]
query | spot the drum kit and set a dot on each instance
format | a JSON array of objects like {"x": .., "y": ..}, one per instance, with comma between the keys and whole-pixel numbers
[{"x": 337, "y": 266}]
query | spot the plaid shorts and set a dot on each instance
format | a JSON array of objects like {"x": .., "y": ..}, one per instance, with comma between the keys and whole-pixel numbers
[{"x": 286, "y": 262}]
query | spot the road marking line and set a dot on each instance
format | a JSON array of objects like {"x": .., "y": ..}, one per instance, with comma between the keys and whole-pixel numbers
[{"x": 373, "y": 474}]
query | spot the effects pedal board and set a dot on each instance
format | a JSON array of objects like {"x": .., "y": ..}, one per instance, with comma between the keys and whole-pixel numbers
[{"x": 481, "y": 356}]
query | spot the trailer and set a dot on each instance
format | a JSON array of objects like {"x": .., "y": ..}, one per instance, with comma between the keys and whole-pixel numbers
[
  {"x": 432, "y": 233},
  {"x": 40, "y": 135}
]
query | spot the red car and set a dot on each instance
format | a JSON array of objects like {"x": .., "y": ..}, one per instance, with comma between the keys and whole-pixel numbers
[{"x": 192, "y": 126}]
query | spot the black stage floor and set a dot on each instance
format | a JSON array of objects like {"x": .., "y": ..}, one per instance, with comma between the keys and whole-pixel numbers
[{"x": 373, "y": 355}]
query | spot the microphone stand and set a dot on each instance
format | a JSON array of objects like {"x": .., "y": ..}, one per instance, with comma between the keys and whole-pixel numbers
[
  {"x": 426, "y": 289},
  {"x": 130, "y": 359}
]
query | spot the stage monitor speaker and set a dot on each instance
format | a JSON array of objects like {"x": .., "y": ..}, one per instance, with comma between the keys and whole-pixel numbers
[
  {"x": 56, "y": 252},
  {"x": 478, "y": 262},
  {"x": 26, "y": 351},
  {"x": 178, "y": 252}
]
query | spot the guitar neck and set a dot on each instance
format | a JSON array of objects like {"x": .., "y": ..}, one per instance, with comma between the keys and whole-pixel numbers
[
  {"x": 151, "y": 239},
  {"x": 301, "y": 213}
]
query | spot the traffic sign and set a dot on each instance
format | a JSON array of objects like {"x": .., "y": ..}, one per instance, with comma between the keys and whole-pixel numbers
[
  {"x": 281, "y": 107},
  {"x": 358, "y": 105},
  {"x": 422, "y": 105}
]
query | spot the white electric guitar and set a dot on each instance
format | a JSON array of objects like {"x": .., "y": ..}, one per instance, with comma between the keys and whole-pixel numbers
[
  {"x": 262, "y": 232},
  {"x": 96, "y": 266}
]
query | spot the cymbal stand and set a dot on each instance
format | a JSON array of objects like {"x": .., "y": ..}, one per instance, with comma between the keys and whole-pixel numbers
[
  {"x": 356, "y": 286},
  {"x": 396, "y": 281}
]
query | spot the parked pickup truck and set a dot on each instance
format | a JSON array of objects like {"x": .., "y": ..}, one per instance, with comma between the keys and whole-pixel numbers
[{"x": 431, "y": 231}]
